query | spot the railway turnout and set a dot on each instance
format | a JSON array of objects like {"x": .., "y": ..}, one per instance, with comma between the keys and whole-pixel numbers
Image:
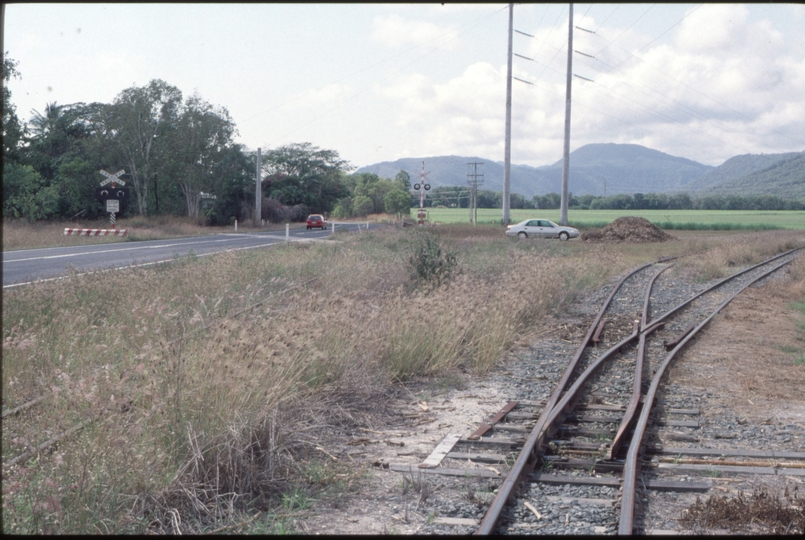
[{"x": 598, "y": 427}]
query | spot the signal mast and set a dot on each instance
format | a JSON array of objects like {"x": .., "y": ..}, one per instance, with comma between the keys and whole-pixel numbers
[{"x": 422, "y": 186}]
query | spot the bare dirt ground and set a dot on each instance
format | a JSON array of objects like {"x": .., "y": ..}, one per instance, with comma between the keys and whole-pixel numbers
[{"x": 746, "y": 356}]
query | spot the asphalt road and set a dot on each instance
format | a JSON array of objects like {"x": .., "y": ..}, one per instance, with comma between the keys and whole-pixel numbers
[{"x": 28, "y": 265}]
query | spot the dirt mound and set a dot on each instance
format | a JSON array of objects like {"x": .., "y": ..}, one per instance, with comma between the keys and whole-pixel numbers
[{"x": 627, "y": 229}]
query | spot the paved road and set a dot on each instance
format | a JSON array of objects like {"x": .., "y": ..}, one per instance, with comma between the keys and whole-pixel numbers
[{"x": 24, "y": 266}]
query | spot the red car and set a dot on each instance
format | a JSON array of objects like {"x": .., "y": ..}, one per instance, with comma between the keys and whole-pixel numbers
[{"x": 316, "y": 221}]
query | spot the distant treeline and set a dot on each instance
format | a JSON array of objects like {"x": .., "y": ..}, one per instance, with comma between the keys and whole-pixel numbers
[{"x": 459, "y": 197}]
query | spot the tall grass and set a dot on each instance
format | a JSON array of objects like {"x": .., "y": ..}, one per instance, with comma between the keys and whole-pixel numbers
[
  {"x": 716, "y": 257},
  {"x": 208, "y": 378}
]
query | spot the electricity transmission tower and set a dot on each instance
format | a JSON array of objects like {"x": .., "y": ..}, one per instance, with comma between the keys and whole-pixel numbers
[{"x": 474, "y": 179}]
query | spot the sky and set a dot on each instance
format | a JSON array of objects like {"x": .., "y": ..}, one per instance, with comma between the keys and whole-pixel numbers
[{"x": 379, "y": 82}]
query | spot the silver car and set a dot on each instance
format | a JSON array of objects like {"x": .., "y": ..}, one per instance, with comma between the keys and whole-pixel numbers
[{"x": 541, "y": 228}]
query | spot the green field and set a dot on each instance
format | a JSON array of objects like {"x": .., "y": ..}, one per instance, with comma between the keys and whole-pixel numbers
[{"x": 666, "y": 219}]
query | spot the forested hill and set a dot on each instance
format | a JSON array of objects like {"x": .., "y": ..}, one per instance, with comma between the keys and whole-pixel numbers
[
  {"x": 782, "y": 175},
  {"x": 736, "y": 167},
  {"x": 595, "y": 169}
]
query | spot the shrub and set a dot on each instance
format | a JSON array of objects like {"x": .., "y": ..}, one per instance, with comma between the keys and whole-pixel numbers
[{"x": 428, "y": 262}]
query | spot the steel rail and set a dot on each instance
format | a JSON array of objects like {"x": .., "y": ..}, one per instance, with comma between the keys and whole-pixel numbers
[
  {"x": 634, "y": 402},
  {"x": 718, "y": 284},
  {"x": 571, "y": 397},
  {"x": 527, "y": 459},
  {"x": 631, "y": 465},
  {"x": 637, "y": 387}
]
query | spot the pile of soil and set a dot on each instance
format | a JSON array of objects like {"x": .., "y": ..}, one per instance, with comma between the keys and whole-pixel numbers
[{"x": 627, "y": 229}]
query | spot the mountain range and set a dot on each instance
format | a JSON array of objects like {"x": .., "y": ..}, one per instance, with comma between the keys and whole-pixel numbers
[{"x": 609, "y": 169}]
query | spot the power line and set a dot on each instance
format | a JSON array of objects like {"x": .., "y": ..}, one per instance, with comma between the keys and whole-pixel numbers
[
  {"x": 628, "y": 27},
  {"x": 658, "y": 37},
  {"x": 674, "y": 104},
  {"x": 691, "y": 111}
]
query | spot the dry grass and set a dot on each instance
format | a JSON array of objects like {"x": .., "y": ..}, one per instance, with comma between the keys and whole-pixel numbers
[
  {"x": 209, "y": 377},
  {"x": 760, "y": 512},
  {"x": 716, "y": 256},
  {"x": 19, "y": 234}
]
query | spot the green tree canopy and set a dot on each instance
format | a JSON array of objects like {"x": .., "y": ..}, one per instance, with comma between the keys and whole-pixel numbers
[
  {"x": 301, "y": 173},
  {"x": 13, "y": 130},
  {"x": 398, "y": 201},
  {"x": 138, "y": 118}
]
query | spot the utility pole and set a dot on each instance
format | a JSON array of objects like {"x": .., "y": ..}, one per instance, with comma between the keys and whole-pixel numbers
[
  {"x": 474, "y": 180},
  {"x": 566, "y": 159},
  {"x": 258, "y": 193},
  {"x": 507, "y": 152}
]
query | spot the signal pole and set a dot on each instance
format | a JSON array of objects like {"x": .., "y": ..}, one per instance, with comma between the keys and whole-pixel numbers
[
  {"x": 566, "y": 159},
  {"x": 507, "y": 152},
  {"x": 474, "y": 180},
  {"x": 422, "y": 186}
]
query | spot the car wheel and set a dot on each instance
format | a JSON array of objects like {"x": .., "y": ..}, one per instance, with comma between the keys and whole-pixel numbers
[
  {"x": 563, "y": 236},
  {"x": 522, "y": 234}
]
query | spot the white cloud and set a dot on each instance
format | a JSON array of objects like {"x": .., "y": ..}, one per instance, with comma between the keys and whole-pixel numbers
[
  {"x": 327, "y": 96},
  {"x": 395, "y": 31},
  {"x": 464, "y": 115},
  {"x": 712, "y": 27}
]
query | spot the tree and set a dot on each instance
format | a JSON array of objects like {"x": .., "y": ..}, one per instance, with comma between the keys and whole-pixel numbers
[
  {"x": 26, "y": 194},
  {"x": 343, "y": 207},
  {"x": 301, "y": 173},
  {"x": 13, "y": 131},
  {"x": 362, "y": 206},
  {"x": 398, "y": 201},
  {"x": 57, "y": 136},
  {"x": 489, "y": 199},
  {"x": 404, "y": 180},
  {"x": 198, "y": 142},
  {"x": 137, "y": 118},
  {"x": 517, "y": 201},
  {"x": 233, "y": 186},
  {"x": 376, "y": 188}
]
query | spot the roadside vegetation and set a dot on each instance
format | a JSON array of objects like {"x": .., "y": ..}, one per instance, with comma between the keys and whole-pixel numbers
[{"x": 204, "y": 386}]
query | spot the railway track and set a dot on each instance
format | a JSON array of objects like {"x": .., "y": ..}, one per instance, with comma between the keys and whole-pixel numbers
[{"x": 593, "y": 446}]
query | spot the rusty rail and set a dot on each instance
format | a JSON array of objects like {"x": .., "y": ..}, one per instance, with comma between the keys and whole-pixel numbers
[
  {"x": 526, "y": 461},
  {"x": 631, "y": 408},
  {"x": 631, "y": 468}
]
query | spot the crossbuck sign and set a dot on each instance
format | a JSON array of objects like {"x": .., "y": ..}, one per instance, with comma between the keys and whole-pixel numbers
[{"x": 113, "y": 178}]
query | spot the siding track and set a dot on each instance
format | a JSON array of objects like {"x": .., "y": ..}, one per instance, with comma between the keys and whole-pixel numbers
[{"x": 595, "y": 420}]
